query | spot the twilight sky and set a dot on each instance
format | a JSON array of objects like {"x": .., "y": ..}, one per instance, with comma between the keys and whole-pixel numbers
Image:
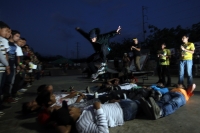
[{"x": 49, "y": 26}]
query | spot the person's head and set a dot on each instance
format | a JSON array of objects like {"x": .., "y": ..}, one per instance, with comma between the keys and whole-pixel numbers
[
  {"x": 45, "y": 87},
  {"x": 135, "y": 40},
  {"x": 185, "y": 38},
  {"x": 46, "y": 99},
  {"x": 163, "y": 45},
  {"x": 24, "y": 41},
  {"x": 41, "y": 88},
  {"x": 15, "y": 35},
  {"x": 62, "y": 117},
  {"x": 160, "y": 84},
  {"x": 133, "y": 80},
  {"x": 125, "y": 54},
  {"x": 4, "y": 28},
  {"x": 8, "y": 33},
  {"x": 27, "y": 59},
  {"x": 20, "y": 42},
  {"x": 29, "y": 107},
  {"x": 74, "y": 112},
  {"x": 94, "y": 34},
  {"x": 26, "y": 48},
  {"x": 115, "y": 81}
]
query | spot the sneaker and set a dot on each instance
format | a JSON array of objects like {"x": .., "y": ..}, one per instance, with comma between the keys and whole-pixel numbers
[
  {"x": 95, "y": 75},
  {"x": 22, "y": 90},
  {"x": 95, "y": 79},
  {"x": 155, "y": 109},
  {"x": 103, "y": 68},
  {"x": 88, "y": 89},
  {"x": 2, "y": 113},
  {"x": 101, "y": 72},
  {"x": 29, "y": 85},
  {"x": 103, "y": 64},
  {"x": 146, "y": 107},
  {"x": 19, "y": 93},
  {"x": 191, "y": 89}
]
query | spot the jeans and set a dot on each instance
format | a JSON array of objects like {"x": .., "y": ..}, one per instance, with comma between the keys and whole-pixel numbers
[
  {"x": 188, "y": 64},
  {"x": 170, "y": 102},
  {"x": 9, "y": 80},
  {"x": 129, "y": 108}
]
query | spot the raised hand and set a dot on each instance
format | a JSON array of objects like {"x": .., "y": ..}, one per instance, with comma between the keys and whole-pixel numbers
[{"x": 118, "y": 29}]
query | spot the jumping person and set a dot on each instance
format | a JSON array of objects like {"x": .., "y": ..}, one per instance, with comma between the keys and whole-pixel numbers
[{"x": 100, "y": 43}]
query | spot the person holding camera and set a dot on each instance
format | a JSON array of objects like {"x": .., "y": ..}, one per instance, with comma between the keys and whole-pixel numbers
[{"x": 163, "y": 65}]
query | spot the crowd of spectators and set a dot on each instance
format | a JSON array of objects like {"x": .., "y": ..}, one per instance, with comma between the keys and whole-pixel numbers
[{"x": 19, "y": 66}]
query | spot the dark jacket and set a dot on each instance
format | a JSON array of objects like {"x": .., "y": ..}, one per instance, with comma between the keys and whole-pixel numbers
[{"x": 102, "y": 43}]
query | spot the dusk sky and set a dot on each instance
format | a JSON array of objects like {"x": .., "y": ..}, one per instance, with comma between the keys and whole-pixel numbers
[{"x": 49, "y": 26}]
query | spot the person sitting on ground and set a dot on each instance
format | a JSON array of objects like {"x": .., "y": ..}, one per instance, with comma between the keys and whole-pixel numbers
[{"x": 169, "y": 102}]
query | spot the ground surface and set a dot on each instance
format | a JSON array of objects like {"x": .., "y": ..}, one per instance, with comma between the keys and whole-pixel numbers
[{"x": 184, "y": 120}]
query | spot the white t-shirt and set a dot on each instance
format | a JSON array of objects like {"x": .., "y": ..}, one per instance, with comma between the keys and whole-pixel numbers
[
  {"x": 4, "y": 42},
  {"x": 19, "y": 51},
  {"x": 3, "y": 46},
  {"x": 68, "y": 100},
  {"x": 127, "y": 86}
]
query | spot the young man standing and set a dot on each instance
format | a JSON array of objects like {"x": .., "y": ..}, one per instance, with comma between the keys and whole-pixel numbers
[
  {"x": 186, "y": 60},
  {"x": 4, "y": 66},
  {"x": 100, "y": 43},
  {"x": 13, "y": 51},
  {"x": 163, "y": 66},
  {"x": 136, "y": 48}
]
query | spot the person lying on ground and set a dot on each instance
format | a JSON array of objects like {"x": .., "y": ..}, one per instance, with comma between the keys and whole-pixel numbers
[
  {"x": 169, "y": 102},
  {"x": 70, "y": 97},
  {"x": 33, "y": 106},
  {"x": 57, "y": 117},
  {"x": 99, "y": 117},
  {"x": 113, "y": 84},
  {"x": 159, "y": 87}
]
